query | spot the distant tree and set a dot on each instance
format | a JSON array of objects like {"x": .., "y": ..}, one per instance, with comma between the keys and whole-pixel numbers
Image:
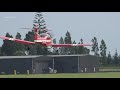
[
  {"x": 103, "y": 53},
  {"x": 0, "y": 51},
  {"x": 40, "y": 21},
  {"x": 30, "y": 36},
  {"x": 8, "y": 48},
  {"x": 86, "y": 50},
  {"x": 18, "y": 36},
  {"x": 82, "y": 49},
  {"x": 32, "y": 49},
  {"x": 42, "y": 50},
  {"x": 74, "y": 49},
  {"x": 55, "y": 50},
  {"x": 116, "y": 58},
  {"x": 81, "y": 40},
  {"x": 19, "y": 47},
  {"x": 79, "y": 51},
  {"x": 61, "y": 49},
  {"x": 68, "y": 40},
  {"x": 19, "y": 53},
  {"x": 95, "y": 47},
  {"x": 109, "y": 59},
  {"x": 119, "y": 60}
]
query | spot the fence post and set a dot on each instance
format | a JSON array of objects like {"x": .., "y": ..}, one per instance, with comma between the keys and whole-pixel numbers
[
  {"x": 28, "y": 72},
  {"x": 85, "y": 70},
  {"x": 94, "y": 69},
  {"x": 14, "y": 72}
]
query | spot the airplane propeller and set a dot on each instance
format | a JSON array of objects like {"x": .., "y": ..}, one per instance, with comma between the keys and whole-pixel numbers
[{"x": 46, "y": 31}]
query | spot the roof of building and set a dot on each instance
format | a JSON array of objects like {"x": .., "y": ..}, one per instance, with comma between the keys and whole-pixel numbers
[
  {"x": 36, "y": 56},
  {"x": 69, "y": 55},
  {"x": 10, "y": 57}
]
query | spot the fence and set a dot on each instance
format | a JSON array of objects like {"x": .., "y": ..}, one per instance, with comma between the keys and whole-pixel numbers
[{"x": 109, "y": 70}]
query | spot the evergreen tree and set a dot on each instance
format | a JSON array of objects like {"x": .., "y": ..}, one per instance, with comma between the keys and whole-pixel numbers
[
  {"x": 82, "y": 49},
  {"x": 40, "y": 22},
  {"x": 79, "y": 51},
  {"x": 0, "y": 51},
  {"x": 30, "y": 36},
  {"x": 31, "y": 48},
  {"x": 116, "y": 58},
  {"x": 95, "y": 48},
  {"x": 19, "y": 48},
  {"x": 103, "y": 52},
  {"x": 86, "y": 50},
  {"x": 74, "y": 49},
  {"x": 109, "y": 59},
  {"x": 8, "y": 48},
  {"x": 37, "y": 49},
  {"x": 42, "y": 50},
  {"x": 55, "y": 51},
  {"x": 119, "y": 60},
  {"x": 61, "y": 49},
  {"x": 68, "y": 40}
]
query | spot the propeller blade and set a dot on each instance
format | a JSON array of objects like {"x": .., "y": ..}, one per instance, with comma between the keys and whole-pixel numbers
[{"x": 26, "y": 28}]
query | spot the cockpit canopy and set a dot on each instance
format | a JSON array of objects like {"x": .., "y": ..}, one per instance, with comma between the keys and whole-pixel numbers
[{"x": 43, "y": 35}]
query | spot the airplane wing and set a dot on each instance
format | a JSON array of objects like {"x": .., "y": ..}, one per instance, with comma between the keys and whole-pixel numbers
[
  {"x": 70, "y": 45},
  {"x": 17, "y": 40}
]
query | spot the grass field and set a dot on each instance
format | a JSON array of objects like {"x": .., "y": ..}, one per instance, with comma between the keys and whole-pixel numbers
[{"x": 79, "y": 75}]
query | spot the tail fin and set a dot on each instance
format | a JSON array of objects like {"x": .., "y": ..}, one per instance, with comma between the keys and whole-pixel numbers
[{"x": 35, "y": 33}]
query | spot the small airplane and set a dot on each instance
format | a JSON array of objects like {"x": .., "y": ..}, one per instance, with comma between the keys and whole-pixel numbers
[{"x": 43, "y": 39}]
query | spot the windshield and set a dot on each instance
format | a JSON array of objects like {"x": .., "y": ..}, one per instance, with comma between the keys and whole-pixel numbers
[{"x": 45, "y": 35}]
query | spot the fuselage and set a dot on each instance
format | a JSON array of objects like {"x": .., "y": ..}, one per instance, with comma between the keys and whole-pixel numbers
[{"x": 44, "y": 41}]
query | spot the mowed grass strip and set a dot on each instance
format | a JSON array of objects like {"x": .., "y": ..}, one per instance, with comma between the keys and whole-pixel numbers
[{"x": 70, "y": 75}]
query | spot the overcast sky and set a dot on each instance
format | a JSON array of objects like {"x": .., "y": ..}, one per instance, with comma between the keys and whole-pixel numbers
[{"x": 86, "y": 25}]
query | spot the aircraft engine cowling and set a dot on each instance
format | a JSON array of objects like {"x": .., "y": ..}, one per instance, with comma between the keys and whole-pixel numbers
[{"x": 44, "y": 43}]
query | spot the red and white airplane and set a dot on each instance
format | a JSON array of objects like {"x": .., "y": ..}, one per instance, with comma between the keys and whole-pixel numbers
[{"x": 42, "y": 39}]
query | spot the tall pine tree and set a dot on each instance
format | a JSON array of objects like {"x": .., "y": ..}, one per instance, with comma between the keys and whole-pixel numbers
[
  {"x": 31, "y": 48},
  {"x": 8, "y": 48},
  {"x": 19, "y": 48},
  {"x": 116, "y": 58},
  {"x": 95, "y": 47},
  {"x": 68, "y": 40},
  {"x": 109, "y": 59},
  {"x": 82, "y": 49},
  {"x": 0, "y": 51},
  {"x": 74, "y": 49},
  {"x": 55, "y": 50},
  {"x": 39, "y": 20},
  {"x": 103, "y": 52},
  {"x": 37, "y": 49},
  {"x": 61, "y": 49}
]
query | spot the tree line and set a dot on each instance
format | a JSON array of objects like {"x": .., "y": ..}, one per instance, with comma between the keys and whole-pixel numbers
[{"x": 10, "y": 48}]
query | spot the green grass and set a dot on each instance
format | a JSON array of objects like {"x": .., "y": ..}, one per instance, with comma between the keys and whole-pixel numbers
[{"x": 77, "y": 75}]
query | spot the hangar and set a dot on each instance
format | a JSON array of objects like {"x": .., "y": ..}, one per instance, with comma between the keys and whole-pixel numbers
[{"x": 42, "y": 64}]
